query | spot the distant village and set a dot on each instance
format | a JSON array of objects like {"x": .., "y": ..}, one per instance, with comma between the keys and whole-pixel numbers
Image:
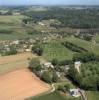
[{"x": 19, "y": 45}]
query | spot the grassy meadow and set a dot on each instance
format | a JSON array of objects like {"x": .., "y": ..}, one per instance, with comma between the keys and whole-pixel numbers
[
  {"x": 11, "y": 19},
  {"x": 90, "y": 46},
  {"x": 54, "y": 50},
  {"x": 11, "y": 27}
]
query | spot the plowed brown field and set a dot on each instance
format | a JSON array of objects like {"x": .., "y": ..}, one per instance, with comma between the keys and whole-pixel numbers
[{"x": 20, "y": 84}]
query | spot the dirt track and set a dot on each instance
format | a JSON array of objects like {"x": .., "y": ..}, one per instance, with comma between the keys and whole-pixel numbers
[{"x": 20, "y": 84}]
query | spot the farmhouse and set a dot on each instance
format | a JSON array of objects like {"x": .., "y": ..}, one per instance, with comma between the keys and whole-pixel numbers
[{"x": 74, "y": 92}]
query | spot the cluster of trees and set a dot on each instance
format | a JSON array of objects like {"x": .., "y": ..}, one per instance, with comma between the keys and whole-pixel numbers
[
  {"x": 74, "y": 18},
  {"x": 38, "y": 50},
  {"x": 74, "y": 47},
  {"x": 85, "y": 57},
  {"x": 89, "y": 76},
  {"x": 64, "y": 88},
  {"x": 35, "y": 66},
  {"x": 48, "y": 75},
  {"x": 61, "y": 63}
]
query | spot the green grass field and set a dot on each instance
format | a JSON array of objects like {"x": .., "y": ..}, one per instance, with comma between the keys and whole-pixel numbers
[
  {"x": 84, "y": 44},
  {"x": 14, "y": 24},
  {"x": 56, "y": 50},
  {"x": 93, "y": 95},
  {"x": 54, "y": 96},
  {"x": 11, "y": 19}
]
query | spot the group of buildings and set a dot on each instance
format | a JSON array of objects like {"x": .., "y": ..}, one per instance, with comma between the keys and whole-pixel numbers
[{"x": 19, "y": 45}]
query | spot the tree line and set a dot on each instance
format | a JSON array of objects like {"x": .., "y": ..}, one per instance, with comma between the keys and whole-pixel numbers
[{"x": 74, "y": 47}]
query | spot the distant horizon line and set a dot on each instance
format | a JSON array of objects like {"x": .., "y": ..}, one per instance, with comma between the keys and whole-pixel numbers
[{"x": 53, "y": 5}]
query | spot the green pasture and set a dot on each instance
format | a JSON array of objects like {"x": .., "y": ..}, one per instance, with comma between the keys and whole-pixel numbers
[
  {"x": 90, "y": 46},
  {"x": 54, "y": 50}
]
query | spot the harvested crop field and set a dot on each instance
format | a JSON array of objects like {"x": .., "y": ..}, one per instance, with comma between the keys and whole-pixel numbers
[
  {"x": 21, "y": 84},
  {"x": 13, "y": 62}
]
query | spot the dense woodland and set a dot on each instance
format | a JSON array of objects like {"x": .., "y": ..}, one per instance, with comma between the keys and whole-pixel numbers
[{"x": 74, "y": 18}]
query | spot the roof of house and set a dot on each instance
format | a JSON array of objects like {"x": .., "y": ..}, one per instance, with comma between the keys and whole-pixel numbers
[{"x": 77, "y": 62}]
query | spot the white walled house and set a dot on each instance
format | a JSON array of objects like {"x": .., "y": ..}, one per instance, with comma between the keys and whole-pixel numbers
[{"x": 78, "y": 65}]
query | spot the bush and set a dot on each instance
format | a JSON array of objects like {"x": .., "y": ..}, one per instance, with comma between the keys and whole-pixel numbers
[
  {"x": 38, "y": 50},
  {"x": 54, "y": 62}
]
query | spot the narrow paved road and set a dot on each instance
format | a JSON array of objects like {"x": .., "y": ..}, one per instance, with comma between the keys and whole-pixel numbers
[{"x": 53, "y": 88}]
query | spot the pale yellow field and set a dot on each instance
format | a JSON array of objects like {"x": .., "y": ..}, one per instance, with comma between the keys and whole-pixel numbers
[{"x": 10, "y": 63}]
